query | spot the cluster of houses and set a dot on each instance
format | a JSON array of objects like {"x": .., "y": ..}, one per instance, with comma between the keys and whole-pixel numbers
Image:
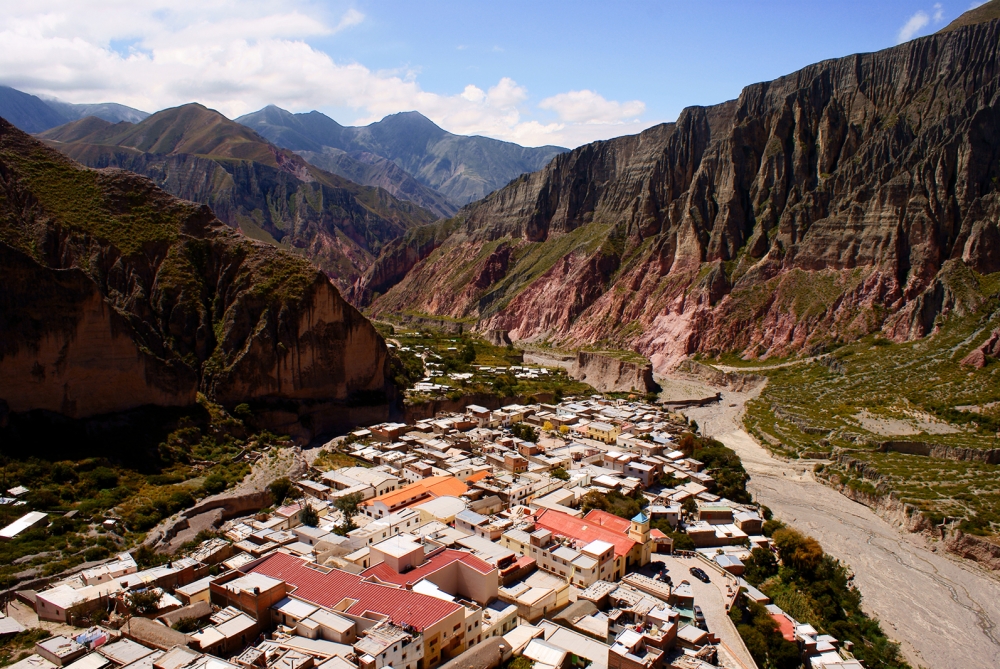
[{"x": 469, "y": 546}]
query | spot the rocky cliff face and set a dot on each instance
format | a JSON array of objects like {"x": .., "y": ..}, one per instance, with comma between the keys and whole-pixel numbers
[
  {"x": 855, "y": 195},
  {"x": 610, "y": 374},
  {"x": 117, "y": 295}
]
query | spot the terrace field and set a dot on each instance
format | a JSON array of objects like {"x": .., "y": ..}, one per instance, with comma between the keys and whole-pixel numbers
[{"x": 858, "y": 396}]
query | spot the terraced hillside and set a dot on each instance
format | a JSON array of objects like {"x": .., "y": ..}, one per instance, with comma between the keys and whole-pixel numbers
[{"x": 872, "y": 401}]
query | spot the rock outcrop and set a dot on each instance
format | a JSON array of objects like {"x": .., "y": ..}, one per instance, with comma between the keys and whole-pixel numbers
[
  {"x": 609, "y": 373},
  {"x": 117, "y": 296},
  {"x": 982, "y": 354},
  {"x": 855, "y": 195}
]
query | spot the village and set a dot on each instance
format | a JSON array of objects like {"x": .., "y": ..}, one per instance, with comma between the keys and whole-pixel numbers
[{"x": 550, "y": 535}]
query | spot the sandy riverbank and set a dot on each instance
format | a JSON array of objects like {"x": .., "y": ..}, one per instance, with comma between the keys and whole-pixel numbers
[{"x": 943, "y": 610}]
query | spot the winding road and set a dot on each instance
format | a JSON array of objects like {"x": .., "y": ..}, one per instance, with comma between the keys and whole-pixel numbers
[{"x": 944, "y": 611}]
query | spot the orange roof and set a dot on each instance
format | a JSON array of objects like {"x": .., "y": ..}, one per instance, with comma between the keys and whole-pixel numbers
[
  {"x": 608, "y": 520},
  {"x": 785, "y": 626},
  {"x": 656, "y": 534},
  {"x": 478, "y": 476},
  {"x": 434, "y": 486},
  {"x": 580, "y": 528}
]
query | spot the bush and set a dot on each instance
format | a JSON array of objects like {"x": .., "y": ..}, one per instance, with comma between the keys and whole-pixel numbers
[
  {"x": 102, "y": 478},
  {"x": 560, "y": 474},
  {"x": 279, "y": 489},
  {"x": 95, "y": 553},
  {"x": 215, "y": 483}
]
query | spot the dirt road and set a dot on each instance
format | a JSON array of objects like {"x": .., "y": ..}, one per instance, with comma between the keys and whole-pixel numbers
[{"x": 944, "y": 611}]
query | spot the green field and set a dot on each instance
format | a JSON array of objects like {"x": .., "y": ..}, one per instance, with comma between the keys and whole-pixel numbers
[{"x": 466, "y": 354}]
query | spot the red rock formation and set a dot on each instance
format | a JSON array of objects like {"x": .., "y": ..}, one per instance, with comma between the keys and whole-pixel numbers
[
  {"x": 989, "y": 349},
  {"x": 850, "y": 197}
]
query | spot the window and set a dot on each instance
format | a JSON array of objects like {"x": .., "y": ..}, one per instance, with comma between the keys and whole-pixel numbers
[{"x": 457, "y": 627}]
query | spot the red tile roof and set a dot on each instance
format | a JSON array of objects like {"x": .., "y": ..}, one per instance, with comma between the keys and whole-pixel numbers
[
  {"x": 785, "y": 626},
  {"x": 328, "y": 587},
  {"x": 656, "y": 534},
  {"x": 583, "y": 530},
  {"x": 608, "y": 520},
  {"x": 436, "y": 561}
]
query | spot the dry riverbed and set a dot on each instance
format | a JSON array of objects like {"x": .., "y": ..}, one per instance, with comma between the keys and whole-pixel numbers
[{"x": 943, "y": 610}]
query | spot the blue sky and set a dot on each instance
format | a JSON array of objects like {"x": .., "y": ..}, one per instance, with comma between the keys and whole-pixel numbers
[{"x": 533, "y": 72}]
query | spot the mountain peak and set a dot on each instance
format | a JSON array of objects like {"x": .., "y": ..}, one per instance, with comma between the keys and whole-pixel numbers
[{"x": 984, "y": 13}]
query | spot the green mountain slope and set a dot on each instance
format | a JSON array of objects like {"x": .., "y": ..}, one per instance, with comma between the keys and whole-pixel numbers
[
  {"x": 119, "y": 296},
  {"x": 462, "y": 168},
  {"x": 270, "y": 194}
]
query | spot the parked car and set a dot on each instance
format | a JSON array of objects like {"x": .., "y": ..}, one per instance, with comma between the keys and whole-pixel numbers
[
  {"x": 699, "y": 617},
  {"x": 700, "y": 574}
]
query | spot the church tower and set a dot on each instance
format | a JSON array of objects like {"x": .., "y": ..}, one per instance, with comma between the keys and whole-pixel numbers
[{"x": 639, "y": 532}]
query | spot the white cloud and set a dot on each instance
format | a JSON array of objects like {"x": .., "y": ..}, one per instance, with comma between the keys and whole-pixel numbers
[
  {"x": 591, "y": 108},
  {"x": 912, "y": 26},
  {"x": 920, "y": 20},
  {"x": 351, "y": 17},
  {"x": 161, "y": 53}
]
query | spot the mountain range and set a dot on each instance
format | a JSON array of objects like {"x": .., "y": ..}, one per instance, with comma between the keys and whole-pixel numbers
[
  {"x": 268, "y": 193},
  {"x": 461, "y": 168},
  {"x": 118, "y": 296},
  {"x": 33, "y": 114},
  {"x": 854, "y": 196}
]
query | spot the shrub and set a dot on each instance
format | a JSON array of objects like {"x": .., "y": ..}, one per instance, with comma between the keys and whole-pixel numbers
[
  {"x": 215, "y": 483},
  {"x": 279, "y": 489}
]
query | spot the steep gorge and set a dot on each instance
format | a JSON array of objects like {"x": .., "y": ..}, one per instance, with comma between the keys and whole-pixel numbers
[
  {"x": 118, "y": 296},
  {"x": 853, "y": 196}
]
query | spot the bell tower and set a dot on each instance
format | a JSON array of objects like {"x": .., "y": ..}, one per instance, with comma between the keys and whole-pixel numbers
[
  {"x": 638, "y": 532},
  {"x": 639, "y": 529}
]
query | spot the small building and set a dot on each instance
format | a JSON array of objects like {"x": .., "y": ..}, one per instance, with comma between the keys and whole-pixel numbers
[
  {"x": 605, "y": 432},
  {"x": 60, "y": 650},
  {"x": 25, "y": 522}
]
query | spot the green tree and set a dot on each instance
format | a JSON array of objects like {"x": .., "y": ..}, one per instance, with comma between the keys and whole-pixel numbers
[
  {"x": 309, "y": 516},
  {"x": 468, "y": 353},
  {"x": 348, "y": 505},
  {"x": 279, "y": 489},
  {"x": 214, "y": 483},
  {"x": 760, "y": 566},
  {"x": 143, "y": 601},
  {"x": 560, "y": 474},
  {"x": 524, "y": 431},
  {"x": 593, "y": 500}
]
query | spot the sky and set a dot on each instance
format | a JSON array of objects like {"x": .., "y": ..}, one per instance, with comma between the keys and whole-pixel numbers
[{"x": 532, "y": 72}]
